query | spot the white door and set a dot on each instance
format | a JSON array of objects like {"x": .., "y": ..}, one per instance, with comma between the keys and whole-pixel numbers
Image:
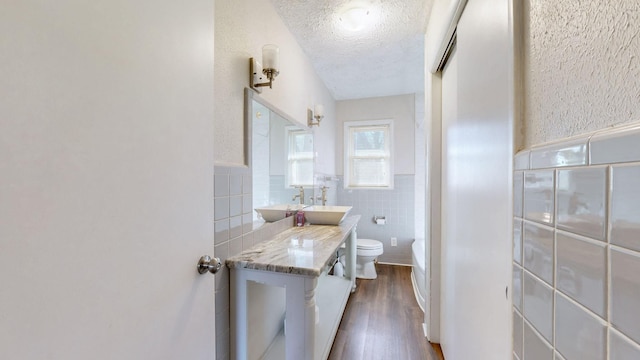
[
  {"x": 477, "y": 153},
  {"x": 106, "y": 179}
]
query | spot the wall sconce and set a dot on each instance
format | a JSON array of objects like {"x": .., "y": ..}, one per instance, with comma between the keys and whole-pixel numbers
[
  {"x": 269, "y": 68},
  {"x": 317, "y": 114}
]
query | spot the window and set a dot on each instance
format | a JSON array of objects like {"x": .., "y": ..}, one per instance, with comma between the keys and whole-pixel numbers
[
  {"x": 299, "y": 157},
  {"x": 368, "y": 161}
]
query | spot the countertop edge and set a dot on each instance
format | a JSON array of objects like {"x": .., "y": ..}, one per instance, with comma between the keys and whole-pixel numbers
[{"x": 245, "y": 260}]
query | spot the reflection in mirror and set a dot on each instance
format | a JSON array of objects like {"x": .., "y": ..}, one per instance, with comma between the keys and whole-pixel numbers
[{"x": 282, "y": 156}]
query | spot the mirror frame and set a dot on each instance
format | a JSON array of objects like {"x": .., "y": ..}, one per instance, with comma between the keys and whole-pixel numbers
[{"x": 249, "y": 96}]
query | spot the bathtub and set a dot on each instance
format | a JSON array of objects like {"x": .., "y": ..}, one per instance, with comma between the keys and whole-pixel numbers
[{"x": 418, "y": 273}]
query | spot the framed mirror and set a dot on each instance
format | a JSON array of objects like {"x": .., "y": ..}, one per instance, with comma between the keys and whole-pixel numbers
[{"x": 281, "y": 155}]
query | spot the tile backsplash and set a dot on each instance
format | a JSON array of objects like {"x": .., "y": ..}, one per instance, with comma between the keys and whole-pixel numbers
[
  {"x": 396, "y": 205},
  {"x": 576, "y": 248},
  {"x": 234, "y": 232}
]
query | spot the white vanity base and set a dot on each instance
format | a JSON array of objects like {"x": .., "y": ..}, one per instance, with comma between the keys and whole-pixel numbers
[{"x": 304, "y": 340}]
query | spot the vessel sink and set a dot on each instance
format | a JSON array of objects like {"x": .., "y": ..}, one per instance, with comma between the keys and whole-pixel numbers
[
  {"x": 273, "y": 213},
  {"x": 326, "y": 215}
]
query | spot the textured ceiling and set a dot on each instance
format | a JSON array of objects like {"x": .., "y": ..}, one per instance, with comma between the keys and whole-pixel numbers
[{"x": 385, "y": 59}]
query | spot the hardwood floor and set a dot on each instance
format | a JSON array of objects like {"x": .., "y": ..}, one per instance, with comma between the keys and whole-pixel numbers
[{"x": 383, "y": 321}]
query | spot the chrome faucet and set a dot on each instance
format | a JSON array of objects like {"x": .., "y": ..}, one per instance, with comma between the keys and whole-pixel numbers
[
  {"x": 324, "y": 195},
  {"x": 300, "y": 195}
]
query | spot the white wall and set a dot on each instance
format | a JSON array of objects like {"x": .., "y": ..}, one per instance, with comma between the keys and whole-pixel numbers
[
  {"x": 400, "y": 108},
  {"x": 582, "y": 69},
  {"x": 242, "y": 28}
]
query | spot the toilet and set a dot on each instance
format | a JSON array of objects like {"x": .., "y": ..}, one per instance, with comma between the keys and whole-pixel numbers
[{"x": 366, "y": 255}]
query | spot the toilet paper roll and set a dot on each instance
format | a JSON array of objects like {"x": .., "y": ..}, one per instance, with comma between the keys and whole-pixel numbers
[
  {"x": 381, "y": 221},
  {"x": 338, "y": 269}
]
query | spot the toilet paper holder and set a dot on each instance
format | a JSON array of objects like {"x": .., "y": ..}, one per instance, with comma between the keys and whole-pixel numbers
[{"x": 380, "y": 220}]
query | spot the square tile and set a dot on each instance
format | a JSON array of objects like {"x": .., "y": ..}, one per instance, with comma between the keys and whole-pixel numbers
[
  {"x": 518, "y": 334},
  {"x": 235, "y": 227},
  {"x": 235, "y": 246},
  {"x": 247, "y": 204},
  {"x": 221, "y": 185},
  {"x": 538, "y": 306},
  {"x": 625, "y": 292},
  {"x": 581, "y": 201},
  {"x": 518, "y": 193},
  {"x": 221, "y": 231},
  {"x": 579, "y": 335},
  {"x": 235, "y": 184},
  {"x": 247, "y": 223},
  {"x": 621, "y": 348},
  {"x": 538, "y": 251},
  {"x": 222, "y": 277},
  {"x": 517, "y": 241},
  {"x": 247, "y": 184},
  {"x": 221, "y": 208},
  {"x": 539, "y": 196},
  {"x": 582, "y": 272},
  {"x": 625, "y": 206},
  {"x": 235, "y": 205},
  {"x": 516, "y": 287},
  {"x": 535, "y": 347}
]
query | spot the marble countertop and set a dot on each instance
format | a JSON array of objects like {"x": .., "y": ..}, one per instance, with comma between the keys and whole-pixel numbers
[{"x": 302, "y": 250}]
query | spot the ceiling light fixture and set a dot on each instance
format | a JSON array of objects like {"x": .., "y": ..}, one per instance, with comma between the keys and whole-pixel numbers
[
  {"x": 270, "y": 59},
  {"x": 355, "y": 18}
]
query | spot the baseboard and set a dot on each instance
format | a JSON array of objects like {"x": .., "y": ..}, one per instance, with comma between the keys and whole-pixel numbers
[{"x": 395, "y": 264}]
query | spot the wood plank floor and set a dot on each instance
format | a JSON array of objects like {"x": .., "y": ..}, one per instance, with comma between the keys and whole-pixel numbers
[{"x": 383, "y": 321}]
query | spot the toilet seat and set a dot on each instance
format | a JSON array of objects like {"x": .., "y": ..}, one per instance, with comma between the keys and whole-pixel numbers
[
  {"x": 369, "y": 247},
  {"x": 369, "y": 244}
]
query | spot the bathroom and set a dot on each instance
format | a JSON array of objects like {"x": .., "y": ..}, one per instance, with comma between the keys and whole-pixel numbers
[
  {"x": 400, "y": 210},
  {"x": 101, "y": 229}
]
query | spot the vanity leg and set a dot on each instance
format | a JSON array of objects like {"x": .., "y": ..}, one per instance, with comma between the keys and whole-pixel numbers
[
  {"x": 300, "y": 319},
  {"x": 238, "y": 298},
  {"x": 350, "y": 257}
]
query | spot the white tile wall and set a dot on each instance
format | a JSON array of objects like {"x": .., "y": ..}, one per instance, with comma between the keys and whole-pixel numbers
[
  {"x": 538, "y": 305},
  {"x": 625, "y": 292},
  {"x": 582, "y": 271},
  {"x": 621, "y": 348},
  {"x": 535, "y": 347},
  {"x": 396, "y": 205},
  {"x": 581, "y": 201},
  {"x": 518, "y": 328},
  {"x": 539, "y": 201},
  {"x": 538, "y": 251},
  {"x": 516, "y": 287},
  {"x": 580, "y": 248},
  {"x": 517, "y": 241},
  {"x": 625, "y": 206},
  {"x": 579, "y": 334},
  {"x": 234, "y": 232}
]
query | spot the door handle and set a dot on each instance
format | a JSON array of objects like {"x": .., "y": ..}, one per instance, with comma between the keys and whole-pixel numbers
[{"x": 209, "y": 264}]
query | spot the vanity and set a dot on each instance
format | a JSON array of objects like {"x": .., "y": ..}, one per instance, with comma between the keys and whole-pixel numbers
[{"x": 297, "y": 260}]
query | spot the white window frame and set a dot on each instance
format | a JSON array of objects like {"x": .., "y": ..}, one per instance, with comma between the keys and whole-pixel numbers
[
  {"x": 348, "y": 151},
  {"x": 290, "y": 158}
]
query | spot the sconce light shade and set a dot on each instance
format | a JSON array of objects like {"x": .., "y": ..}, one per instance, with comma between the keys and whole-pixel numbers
[
  {"x": 270, "y": 56},
  {"x": 270, "y": 60},
  {"x": 315, "y": 116}
]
